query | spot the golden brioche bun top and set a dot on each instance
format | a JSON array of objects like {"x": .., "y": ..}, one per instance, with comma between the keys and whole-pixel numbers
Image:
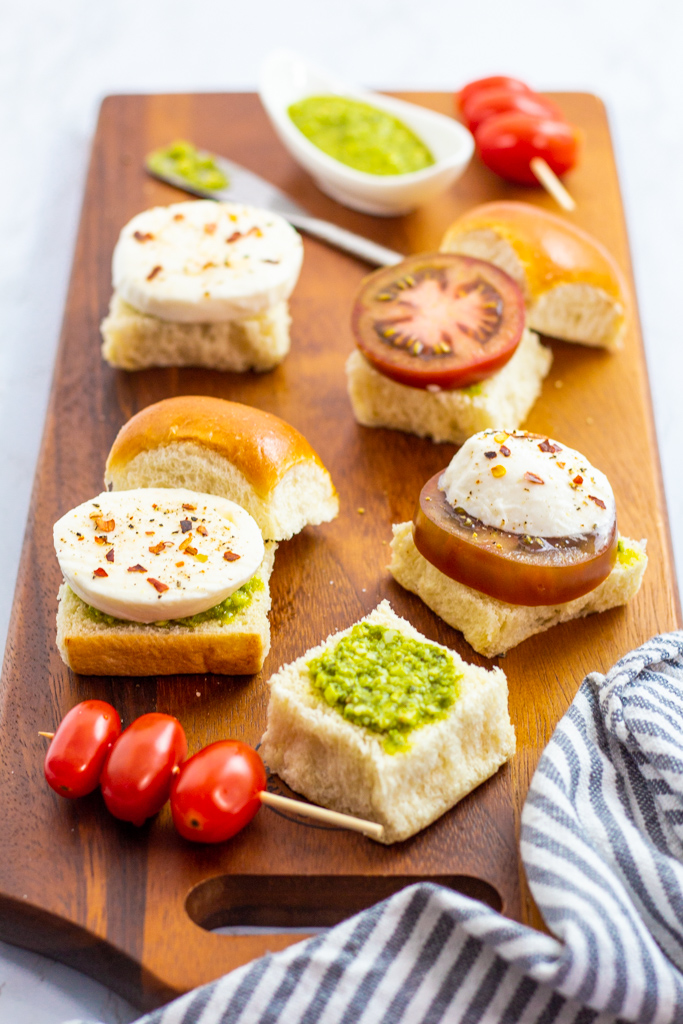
[
  {"x": 262, "y": 446},
  {"x": 551, "y": 249}
]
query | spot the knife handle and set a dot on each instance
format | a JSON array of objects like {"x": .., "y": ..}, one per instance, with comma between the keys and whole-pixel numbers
[{"x": 357, "y": 245}]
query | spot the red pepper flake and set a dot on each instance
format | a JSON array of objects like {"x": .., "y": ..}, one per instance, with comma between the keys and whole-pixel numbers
[
  {"x": 179, "y": 216},
  {"x": 179, "y": 565},
  {"x": 561, "y": 464},
  {"x": 137, "y": 568},
  {"x": 490, "y": 455},
  {"x": 110, "y": 555},
  {"x": 597, "y": 501},
  {"x": 210, "y": 228},
  {"x": 160, "y": 587},
  {"x": 505, "y": 451},
  {"x": 100, "y": 572},
  {"x": 230, "y": 556},
  {"x": 105, "y": 525},
  {"x": 234, "y": 237},
  {"x": 578, "y": 480},
  {"x": 203, "y": 530},
  {"x": 548, "y": 446},
  {"x": 190, "y": 508},
  {"x": 140, "y": 236},
  {"x": 185, "y": 525},
  {"x": 154, "y": 271},
  {"x": 99, "y": 540},
  {"x": 185, "y": 544},
  {"x": 533, "y": 478},
  {"x": 190, "y": 551},
  {"x": 158, "y": 548}
]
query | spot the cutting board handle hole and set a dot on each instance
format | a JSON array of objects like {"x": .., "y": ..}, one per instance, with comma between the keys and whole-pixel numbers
[{"x": 308, "y": 901}]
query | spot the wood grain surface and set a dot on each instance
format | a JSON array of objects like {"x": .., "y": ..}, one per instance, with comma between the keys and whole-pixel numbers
[{"x": 133, "y": 906}]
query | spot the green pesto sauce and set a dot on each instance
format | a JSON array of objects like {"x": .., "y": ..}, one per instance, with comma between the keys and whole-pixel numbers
[
  {"x": 224, "y": 612},
  {"x": 359, "y": 135},
  {"x": 389, "y": 683},
  {"x": 196, "y": 167},
  {"x": 627, "y": 556},
  {"x": 473, "y": 390}
]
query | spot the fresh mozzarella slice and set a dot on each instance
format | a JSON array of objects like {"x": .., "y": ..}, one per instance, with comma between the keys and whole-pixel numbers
[
  {"x": 528, "y": 484},
  {"x": 155, "y": 553},
  {"x": 206, "y": 262}
]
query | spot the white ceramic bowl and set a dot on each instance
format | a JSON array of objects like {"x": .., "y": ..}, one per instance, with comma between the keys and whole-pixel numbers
[{"x": 286, "y": 78}]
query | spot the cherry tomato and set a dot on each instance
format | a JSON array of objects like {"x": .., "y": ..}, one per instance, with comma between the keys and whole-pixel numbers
[
  {"x": 507, "y": 566},
  {"x": 215, "y": 794},
  {"x": 438, "y": 319},
  {"x": 79, "y": 748},
  {"x": 137, "y": 776},
  {"x": 492, "y": 82},
  {"x": 508, "y": 142},
  {"x": 490, "y": 102}
]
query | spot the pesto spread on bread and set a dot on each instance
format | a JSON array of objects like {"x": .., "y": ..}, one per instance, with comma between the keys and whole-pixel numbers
[
  {"x": 222, "y": 613},
  {"x": 389, "y": 683}
]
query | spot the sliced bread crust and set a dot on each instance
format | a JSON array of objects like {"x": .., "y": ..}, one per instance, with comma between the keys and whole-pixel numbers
[
  {"x": 490, "y": 626},
  {"x": 502, "y": 400},
  {"x": 134, "y": 649},
  {"x": 343, "y": 766}
]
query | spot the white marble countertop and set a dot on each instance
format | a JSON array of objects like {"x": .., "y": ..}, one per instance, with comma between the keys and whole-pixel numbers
[{"x": 59, "y": 60}]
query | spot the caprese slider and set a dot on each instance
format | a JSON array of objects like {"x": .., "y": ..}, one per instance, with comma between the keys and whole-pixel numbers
[
  {"x": 161, "y": 581},
  {"x": 202, "y": 284},
  {"x": 517, "y": 534},
  {"x": 442, "y": 349}
]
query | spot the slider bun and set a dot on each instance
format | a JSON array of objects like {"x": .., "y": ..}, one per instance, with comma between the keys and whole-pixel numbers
[
  {"x": 225, "y": 448},
  {"x": 573, "y": 288}
]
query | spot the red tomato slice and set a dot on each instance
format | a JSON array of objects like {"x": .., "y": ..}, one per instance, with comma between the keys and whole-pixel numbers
[
  {"x": 490, "y": 102},
  {"x": 508, "y": 142},
  {"x": 216, "y": 792},
  {"x": 492, "y": 82},
  {"x": 79, "y": 748},
  {"x": 137, "y": 776},
  {"x": 519, "y": 570},
  {"x": 438, "y": 319}
]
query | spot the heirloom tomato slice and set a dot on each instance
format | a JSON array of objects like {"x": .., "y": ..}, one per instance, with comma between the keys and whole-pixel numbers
[
  {"x": 438, "y": 320},
  {"x": 517, "y": 569}
]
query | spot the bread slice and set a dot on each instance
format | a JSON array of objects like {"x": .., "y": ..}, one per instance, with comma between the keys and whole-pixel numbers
[
  {"x": 232, "y": 450},
  {"x": 502, "y": 400},
  {"x": 343, "y": 766},
  {"x": 492, "y": 627},
  {"x": 572, "y": 286},
  {"x": 135, "y": 340},
  {"x": 96, "y": 648}
]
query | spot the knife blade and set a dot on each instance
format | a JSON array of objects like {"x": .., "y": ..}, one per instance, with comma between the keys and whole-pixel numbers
[{"x": 244, "y": 186}]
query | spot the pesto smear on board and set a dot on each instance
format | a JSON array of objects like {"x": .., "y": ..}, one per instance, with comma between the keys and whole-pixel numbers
[
  {"x": 389, "y": 683},
  {"x": 222, "y": 613},
  {"x": 360, "y": 135},
  {"x": 197, "y": 167}
]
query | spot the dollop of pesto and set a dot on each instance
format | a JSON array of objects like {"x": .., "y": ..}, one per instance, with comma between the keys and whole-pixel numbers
[
  {"x": 360, "y": 135},
  {"x": 224, "y": 612},
  {"x": 386, "y": 682},
  {"x": 195, "y": 166}
]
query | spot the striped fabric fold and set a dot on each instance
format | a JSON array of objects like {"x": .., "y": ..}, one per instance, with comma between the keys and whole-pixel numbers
[{"x": 602, "y": 844}]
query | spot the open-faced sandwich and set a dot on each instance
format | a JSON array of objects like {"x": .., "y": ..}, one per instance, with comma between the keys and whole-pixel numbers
[
  {"x": 443, "y": 351},
  {"x": 517, "y": 534},
  {"x": 573, "y": 287},
  {"x": 202, "y": 283},
  {"x": 167, "y": 572},
  {"x": 382, "y": 723}
]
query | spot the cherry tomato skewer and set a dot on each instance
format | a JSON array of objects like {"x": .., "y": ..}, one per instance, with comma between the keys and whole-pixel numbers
[{"x": 79, "y": 747}]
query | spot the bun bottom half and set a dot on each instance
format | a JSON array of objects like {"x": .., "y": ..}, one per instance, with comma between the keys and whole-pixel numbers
[
  {"x": 135, "y": 340},
  {"x": 501, "y": 401},
  {"x": 238, "y": 647},
  {"x": 492, "y": 627}
]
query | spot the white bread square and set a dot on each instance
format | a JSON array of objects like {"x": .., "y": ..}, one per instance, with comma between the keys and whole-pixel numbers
[
  {"x": 238, "y": 647},
  {"x": 501, "y": 401},
  {"x": 343, "y": 766},
  {"x": 134, "y": 340},
  {"x": 490, "y": 626}
]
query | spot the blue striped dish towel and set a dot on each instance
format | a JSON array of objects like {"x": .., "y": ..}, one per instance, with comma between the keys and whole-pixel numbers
[{"x": 602, "y": 843}]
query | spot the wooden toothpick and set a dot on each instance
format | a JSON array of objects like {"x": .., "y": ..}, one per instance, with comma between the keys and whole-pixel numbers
[
  {"x": 552, "y": 184},
  {"x": 283, "y": 803}
]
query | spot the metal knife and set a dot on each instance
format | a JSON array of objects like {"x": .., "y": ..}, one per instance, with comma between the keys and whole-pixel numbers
[{"x": 246, "y": 187}]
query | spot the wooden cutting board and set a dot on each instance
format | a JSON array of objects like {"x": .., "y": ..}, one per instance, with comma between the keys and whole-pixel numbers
[{"x": 132, "y": 907}]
